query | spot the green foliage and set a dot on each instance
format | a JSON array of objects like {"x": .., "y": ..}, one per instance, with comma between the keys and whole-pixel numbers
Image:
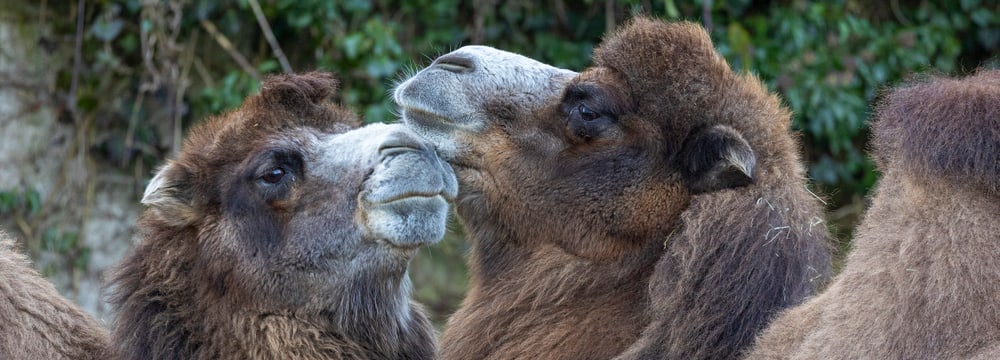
[
  {"x": 827, "y": 59},
  {"x": 27, "y": 201},
  {"x": 829, "y": 65},
  {"x": 227, "y": 94},
  {"x": 26, "y": 204},
  {"x": 74, "y": 255}
]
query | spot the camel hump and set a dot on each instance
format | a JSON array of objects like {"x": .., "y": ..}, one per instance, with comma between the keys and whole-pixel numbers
[{"x": 938, "y": 127}]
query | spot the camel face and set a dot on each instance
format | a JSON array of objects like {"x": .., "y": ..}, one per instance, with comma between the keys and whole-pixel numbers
[
  {"x": 282, "y": 230},
  {"x": 526, "y": 138},
  {"x": 347, "y": 216},
  {"x": 324, "y": 210}
]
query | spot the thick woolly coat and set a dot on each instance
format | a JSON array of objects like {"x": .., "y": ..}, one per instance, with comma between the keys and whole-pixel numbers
[
  {"x": 923, "y": 277},
  {"x": 36, "y": 322}
]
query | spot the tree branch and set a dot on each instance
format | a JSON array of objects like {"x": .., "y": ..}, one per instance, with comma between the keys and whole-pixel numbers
[
  {"x": 228, "y": 46},
  {"x": 706, "y": 15},
  {"x": 77, "y": 60},
  {"x": 264, "y": 26}
]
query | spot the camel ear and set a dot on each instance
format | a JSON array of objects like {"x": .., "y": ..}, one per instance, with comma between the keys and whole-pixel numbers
[
  {"x": 168, "y": 195},
  {"x": 716, "y": 158}
]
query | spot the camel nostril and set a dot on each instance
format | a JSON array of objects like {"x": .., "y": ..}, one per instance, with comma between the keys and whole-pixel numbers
[
  {"x": 400, "y": 142},
  {"x": 455, "y": 62}
]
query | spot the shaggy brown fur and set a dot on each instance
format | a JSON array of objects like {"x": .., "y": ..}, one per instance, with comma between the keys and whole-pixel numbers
[
  {"x": 922, "y": 279},
  {"x": 38, "y": 323},
  {"x": 232, "y": 265},
  {"x": 738, "y": 256},
  {"x": 571, "y": 191}
]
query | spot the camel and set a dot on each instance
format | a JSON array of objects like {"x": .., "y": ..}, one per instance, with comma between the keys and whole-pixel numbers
[
  {"x": 280, "y": 231},
  {"x": 921, "y": 281},
  {"x": 654, "y": 203},
  {"x": 38, "y": 322}
]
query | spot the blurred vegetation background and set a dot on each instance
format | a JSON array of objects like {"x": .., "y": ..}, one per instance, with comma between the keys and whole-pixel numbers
[{"x": 126, "y": 78}]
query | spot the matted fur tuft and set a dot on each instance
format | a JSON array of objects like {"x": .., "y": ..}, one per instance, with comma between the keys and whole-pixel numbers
[{"x": 944, "y": 128}]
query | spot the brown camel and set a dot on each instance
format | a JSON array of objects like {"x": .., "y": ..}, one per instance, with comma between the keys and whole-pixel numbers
[
  {"x": 576, "y": 190},
  {"x": 278, "y": 232},
  {"x": 923, "y": 278},
  {"x": 36, "y": 322}
]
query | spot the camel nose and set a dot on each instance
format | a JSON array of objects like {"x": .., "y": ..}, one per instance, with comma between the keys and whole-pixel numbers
[
  {"x": 456, "y": 62},
  {"x": 401, "y": 141}
]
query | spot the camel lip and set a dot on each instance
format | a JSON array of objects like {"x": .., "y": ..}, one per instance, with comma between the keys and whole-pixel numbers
[
  {"x": 406, "y": 249},
  {"x": 434, "y": 126},
  {"x": 373, "y": 197},
  {"x": 407, "y": 222},
  {"x": 424, "y": 117},
  {"x": 417, "y": 195}
]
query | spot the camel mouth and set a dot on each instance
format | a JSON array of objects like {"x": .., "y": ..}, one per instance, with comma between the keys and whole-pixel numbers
[
  {"x": 443, "y": 195},
  {"x": 409, "y": 168},
  {"x": 406, "y": 196},
  {"x": 410, "y": 221},
  {"x": 409, "y": 201},
  {"x": 426, "y": 118},
  {"x": 413, "y": 185},
  {"x": 430, "y": 117}
]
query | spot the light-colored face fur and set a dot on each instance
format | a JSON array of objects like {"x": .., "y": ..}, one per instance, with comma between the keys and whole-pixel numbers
[
  {"x": 345, "y": 215},
  {"x": 455, "y": 96},
  {"x": 403, "y": 201}
]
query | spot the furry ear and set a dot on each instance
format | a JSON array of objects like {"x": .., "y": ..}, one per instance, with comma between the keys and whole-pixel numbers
[
  {"x": 168, "y": 195},
  {"x": 716, "y": 158}
]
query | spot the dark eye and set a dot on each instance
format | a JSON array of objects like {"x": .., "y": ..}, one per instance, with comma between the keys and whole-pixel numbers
[
  {"x": 586, "y": 123},
  {"x": 273, "y": 176},
  {"x": 586, "y": 113}
]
